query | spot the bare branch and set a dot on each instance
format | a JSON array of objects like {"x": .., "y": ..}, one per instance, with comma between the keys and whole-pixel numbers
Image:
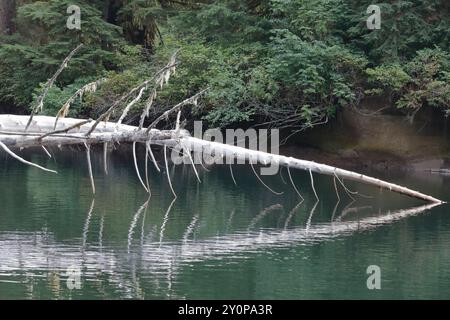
[
  {"x": 232, "y": 175},
  {"x": 167, "y": 171},
  {"x": 312, "y": 185},
  {"x": 293, "y": 184},
  {"x": 15, "y": 156},
  {"x": 192, "y": 100},
  {"x": 40, "y": 102},
  {"x": 152, "y": 156},
  {"x": 137, "y": 168},
  {"x": 123, "y": 98},
  {"x": 131, "y": 104},
  {"x": 90, "y": 87},
  {"x": 77, "y": 125},
  {"x": 105, "y": 157},
  {"x": 260, "y": 180},
  {"x": 91, "y": 176}
]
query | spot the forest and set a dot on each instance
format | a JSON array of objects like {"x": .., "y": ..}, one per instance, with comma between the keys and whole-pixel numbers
[
  {"x": 108, "y": 192},
  {"x": 289, "y": 64}
]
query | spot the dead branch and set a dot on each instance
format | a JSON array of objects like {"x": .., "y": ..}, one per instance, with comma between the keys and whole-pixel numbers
[
  {"x": 137, "y": 168},
  {"x": 124, "y": 97},
  {"x": 75, "y": 126},
  {"x": 15, "y": 156},
  {"x": 162, "y": 79},
  {"x": 91, "y": 176},
  {"x": 64, "y": 111},
  {"x": 262, "y": 182},
  {"x": 192, "y": 100},
  {"x": 312, "y": 185},
  {"x": 293, "y": 184},
  {"x": 232, "y": 175},
  {"x": 40, "y": 102},
  {"x": 167, "y": 171}
]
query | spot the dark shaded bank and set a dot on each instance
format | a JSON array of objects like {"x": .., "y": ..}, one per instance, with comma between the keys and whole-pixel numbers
[
  {"x": 382, "y": 140},
  {"x": 10, "y": 108}
]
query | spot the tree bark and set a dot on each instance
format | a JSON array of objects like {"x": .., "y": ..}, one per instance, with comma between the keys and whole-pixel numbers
[{"x": 7, "y": 11}]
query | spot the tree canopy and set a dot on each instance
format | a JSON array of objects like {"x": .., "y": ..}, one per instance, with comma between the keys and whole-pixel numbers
[{"x": 289, "y": 64}]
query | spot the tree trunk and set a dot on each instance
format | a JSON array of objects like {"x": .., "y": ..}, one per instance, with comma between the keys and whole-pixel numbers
[
  {"x": 7, "y": 9},
  {"x": 75, "y": 131}
]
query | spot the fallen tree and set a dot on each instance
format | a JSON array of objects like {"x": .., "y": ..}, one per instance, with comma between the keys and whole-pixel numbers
[
  {"x": 42, "y": 131},
  {"x": 73, "y": 131}
]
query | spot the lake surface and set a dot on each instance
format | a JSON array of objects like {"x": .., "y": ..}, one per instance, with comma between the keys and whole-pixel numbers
[{"x": 217, "y": 240}]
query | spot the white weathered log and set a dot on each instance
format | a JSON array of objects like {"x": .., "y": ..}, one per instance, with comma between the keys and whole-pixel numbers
[
  {"x": 266, "y": 158},
  {"x": 12, "y": 134}
]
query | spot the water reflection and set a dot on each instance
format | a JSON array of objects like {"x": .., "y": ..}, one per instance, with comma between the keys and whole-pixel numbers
[
  {"x": 30, "y": 256},
  {"x": 130, "y": 246}
]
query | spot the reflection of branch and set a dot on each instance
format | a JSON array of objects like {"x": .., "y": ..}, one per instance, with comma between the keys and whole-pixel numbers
[
  {"x": 291, "y": 214},
  {"x": 134, "y": 222},
  {"x": 263, "y": 213},
  {"x": 166, "y": 218},
  {"x": 219, "y": 246},
  {"x": 100, "y": 231},
  {"x": 268, "y": 238},
  {"x": 347, "y": 206},
  {"x": 335, "y": 209},
  {"x": 308, "y": 222},
  {"x": 351, "y": 210},
  {"x": 143, "y": 227},
  {"x": 87, "y": 222},
  {"x": 190, "y": 228},
  {"x": 230, "y": 219}
]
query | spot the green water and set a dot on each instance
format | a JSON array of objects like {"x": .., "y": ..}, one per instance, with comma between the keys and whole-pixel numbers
[{"x": 217, "y": 240}]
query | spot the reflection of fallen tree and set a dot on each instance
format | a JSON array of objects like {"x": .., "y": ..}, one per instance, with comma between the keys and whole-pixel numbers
[
  {"x": 26, "y": 251},
  {"x": 33, "y": 253},
  {"x": 248, "y": 241}
]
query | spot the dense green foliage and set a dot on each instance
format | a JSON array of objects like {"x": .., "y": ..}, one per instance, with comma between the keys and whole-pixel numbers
[{"x": 286, "y": 63}]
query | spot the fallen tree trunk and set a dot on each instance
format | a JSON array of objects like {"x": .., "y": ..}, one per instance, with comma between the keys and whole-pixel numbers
[
  {"x": 267, "y": 158},
  {"x": 41, "y": 133}
]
